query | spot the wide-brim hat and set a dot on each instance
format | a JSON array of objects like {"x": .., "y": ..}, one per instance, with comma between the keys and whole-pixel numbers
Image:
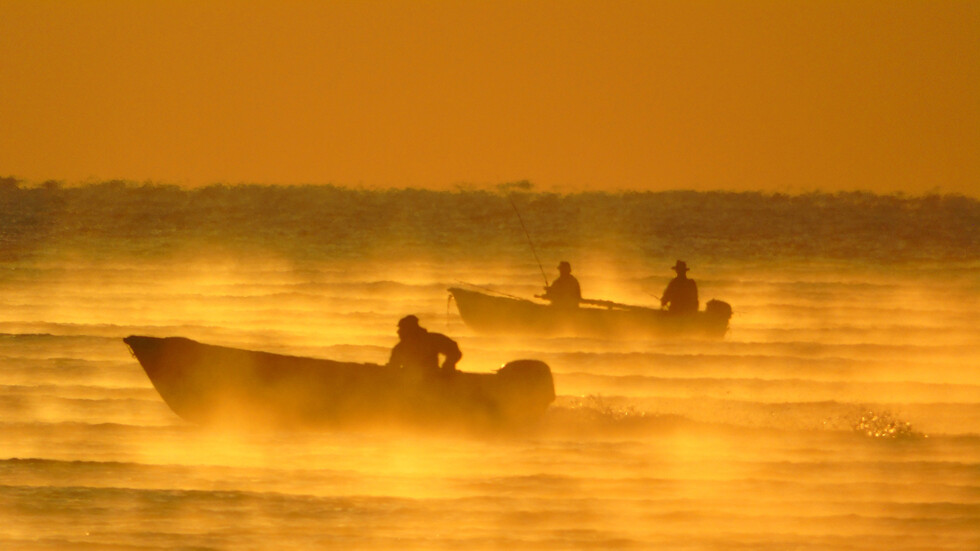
[{"x": 681, "y": 266}]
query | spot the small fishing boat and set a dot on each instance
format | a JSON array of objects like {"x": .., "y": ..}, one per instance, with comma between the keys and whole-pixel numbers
[
  {"x": 506, "y": 315},
  {"x": 217, "y": 385}
]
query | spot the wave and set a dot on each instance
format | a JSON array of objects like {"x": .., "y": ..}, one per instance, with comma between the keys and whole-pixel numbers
[
  {"x": 304, "y": 222},
  {"x": 769, "y": 390}
]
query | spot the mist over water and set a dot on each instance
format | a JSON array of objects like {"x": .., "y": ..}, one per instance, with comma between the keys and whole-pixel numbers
[{"x": 841, "y": 411}]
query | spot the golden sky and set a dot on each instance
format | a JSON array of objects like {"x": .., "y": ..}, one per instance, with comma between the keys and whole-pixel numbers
[{"x": 783, "y": 95}]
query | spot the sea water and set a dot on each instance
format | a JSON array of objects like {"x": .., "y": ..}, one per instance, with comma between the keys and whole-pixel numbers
[{"x": 841, "y": 411}]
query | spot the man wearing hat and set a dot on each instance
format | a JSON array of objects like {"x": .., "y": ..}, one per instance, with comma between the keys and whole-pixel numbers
[
  {"x": 681, "y": 294},
  {"x": 565, "y": 291},
  {"x": 418, "y": 350}
]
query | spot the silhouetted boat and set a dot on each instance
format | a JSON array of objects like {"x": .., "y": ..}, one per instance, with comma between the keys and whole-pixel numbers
[
  {"x": 502, "y": 315},
  {"x": 210, "y": 384}
]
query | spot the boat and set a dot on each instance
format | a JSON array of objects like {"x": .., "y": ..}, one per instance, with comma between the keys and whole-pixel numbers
[
  {"x": 218, "y": 385},
  {"x": 508, "y": 315}
]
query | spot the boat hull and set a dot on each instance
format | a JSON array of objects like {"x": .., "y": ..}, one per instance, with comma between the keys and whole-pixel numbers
[
  {"x": 500, "y": 315},
  {"x": 217, "y": 385}
]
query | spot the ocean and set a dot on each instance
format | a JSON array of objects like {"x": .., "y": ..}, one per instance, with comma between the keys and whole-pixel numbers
[{"x": 841, "y": 411}]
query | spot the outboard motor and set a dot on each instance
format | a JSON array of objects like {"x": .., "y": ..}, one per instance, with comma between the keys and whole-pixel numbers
[
  {"x": 719, "y": 309},
  {"x": 529, "y": 388}
]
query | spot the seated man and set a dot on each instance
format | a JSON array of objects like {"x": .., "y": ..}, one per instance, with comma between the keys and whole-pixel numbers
[
  {"x": 564, "y": 292},
  {"x": 681, "y": 294},
  {"x": 418, "y": 350}
]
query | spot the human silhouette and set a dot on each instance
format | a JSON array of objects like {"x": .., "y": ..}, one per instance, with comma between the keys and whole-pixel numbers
[
  {"x": 418, "y": 350},
  {"x": 681, "y": 294},
  {"x": 565, "y": 291}
]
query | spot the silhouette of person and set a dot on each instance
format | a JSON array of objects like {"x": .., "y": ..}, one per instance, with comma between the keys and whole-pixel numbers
[
  {"x": 565, "y": 291},
  {"x": 418, "y": 350},
  {"x": 681, "y": 294}
]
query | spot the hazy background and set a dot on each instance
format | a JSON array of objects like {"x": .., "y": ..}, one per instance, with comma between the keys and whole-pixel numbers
[
  {"x": 839, "y": 413},
  {"x": 572, "y": 95}
]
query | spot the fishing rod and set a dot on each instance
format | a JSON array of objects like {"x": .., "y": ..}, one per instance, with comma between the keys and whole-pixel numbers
[
  {"x": 489, "y": 290},
  {"x": 529, "y": 242}
]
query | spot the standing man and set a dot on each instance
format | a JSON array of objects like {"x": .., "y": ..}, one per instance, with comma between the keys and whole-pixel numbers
[
  {"x": 418, "y": 350},
  {"x": 564, "y": 292},
  {"x": 681, "y": 294}
]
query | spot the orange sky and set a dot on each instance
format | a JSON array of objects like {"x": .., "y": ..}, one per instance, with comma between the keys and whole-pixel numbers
[{"x": 571, "y": 95}]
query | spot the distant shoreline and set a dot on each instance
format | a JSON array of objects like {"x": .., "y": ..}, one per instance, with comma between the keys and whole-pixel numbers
[{"x": 518, "y": 187}]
